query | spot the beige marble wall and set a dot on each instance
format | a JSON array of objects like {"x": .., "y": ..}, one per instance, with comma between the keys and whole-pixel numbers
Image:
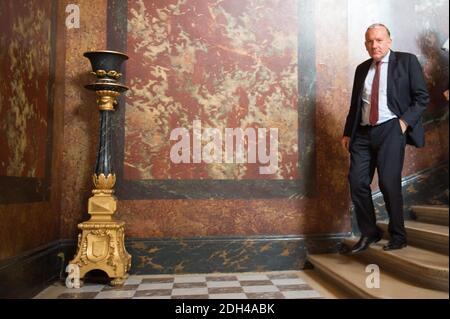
[{"x": 80, "y": 122}]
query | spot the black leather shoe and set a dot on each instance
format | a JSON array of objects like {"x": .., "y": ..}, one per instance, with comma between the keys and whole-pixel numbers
[
  {"x": 392, "y": 245},
  {"x": 364, "y": 243}
]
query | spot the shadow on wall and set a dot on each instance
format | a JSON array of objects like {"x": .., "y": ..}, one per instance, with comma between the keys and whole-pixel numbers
[
  {"x": 80, "y": 152},
  {"x": 332, "y": 163},
  {"x": 435, "y": 68}
]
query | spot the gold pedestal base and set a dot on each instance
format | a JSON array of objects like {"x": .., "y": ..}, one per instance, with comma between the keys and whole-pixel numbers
[{"x": 101, "y": 244}]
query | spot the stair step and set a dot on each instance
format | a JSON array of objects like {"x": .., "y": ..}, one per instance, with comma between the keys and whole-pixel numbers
[
  {"x": 417, "y": 265},
  {"x": 350, "y": 274},
  {"x": 431, "y": 214},
  {"x": 424, "y": 235}
]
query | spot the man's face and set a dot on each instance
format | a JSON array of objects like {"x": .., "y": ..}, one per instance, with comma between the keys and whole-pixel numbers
[{"x": 377, "y": 42}]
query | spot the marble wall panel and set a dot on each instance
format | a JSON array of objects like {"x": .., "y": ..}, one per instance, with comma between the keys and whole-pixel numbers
[
  {"x": 25, "y": 43},
  {"x": 29, "y": 217},
  {"x": 227, "y": 64}
]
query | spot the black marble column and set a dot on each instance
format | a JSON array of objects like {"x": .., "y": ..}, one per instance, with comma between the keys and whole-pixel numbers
[{"x": 104, "y": 163}]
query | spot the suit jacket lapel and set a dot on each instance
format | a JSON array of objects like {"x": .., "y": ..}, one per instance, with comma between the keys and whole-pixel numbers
[
  {"x": 362, "y": 78},
  {"x": 391, "y": 68}
]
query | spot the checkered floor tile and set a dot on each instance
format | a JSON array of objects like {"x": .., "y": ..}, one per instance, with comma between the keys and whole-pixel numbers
[{"x": 267, "y": 285}]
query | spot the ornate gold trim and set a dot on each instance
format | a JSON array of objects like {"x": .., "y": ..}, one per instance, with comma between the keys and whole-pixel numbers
[
  {"x": 107, "y": 99},
  {"x": 102, "y": 182},
  {"x": 101, "y": 246},
  {"x": 102, "y": 73}
]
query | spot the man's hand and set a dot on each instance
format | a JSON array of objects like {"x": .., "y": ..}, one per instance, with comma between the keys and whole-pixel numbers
[
  {"x": 345, "y": 142},
  {"x": 403, "y": 125}
]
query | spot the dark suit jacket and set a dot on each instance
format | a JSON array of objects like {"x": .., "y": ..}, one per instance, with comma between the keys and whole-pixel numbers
[{"x": 407, "y": 95}]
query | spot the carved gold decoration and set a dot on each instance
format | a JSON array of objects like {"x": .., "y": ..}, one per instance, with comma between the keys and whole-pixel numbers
[
  {"x": 102, "y": 182},
  {"x": 102, "y": 206},
  {"x": 101, "y": 246},
  {"x": 102, "y": 73},
  {"x": 107, "y": 99},
  {"x": 101, "y": 243},
  {"x": 114, "y": 74}
]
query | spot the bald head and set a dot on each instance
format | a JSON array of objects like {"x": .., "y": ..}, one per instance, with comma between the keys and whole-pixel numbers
[
  {"x": 378, "y": 41},
  {"x": 379, "y": 25}
]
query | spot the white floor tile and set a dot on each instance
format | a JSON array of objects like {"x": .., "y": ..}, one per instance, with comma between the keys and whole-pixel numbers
[
  {"x": 187, "y": 279},
  {"x": 293, "y": 281},
  {"x": 155, "y": 286},
  {"x": 221, "y": 284},
  {"x": 260, "y": 288},
  {"x": 132, "y": 280},
  {"x": 301, "y": 294},
  {"x": 189, "y": 291},
  {"x": 115, "y": 294},
  {"x": 86, "y": 288},
  {"x": 252, "y": 277},
  {"x": 228, "y": 296},
  {"x": 153, "y": 297}
]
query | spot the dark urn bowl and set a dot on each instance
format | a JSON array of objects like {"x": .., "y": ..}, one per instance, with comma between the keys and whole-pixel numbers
[
  {"x": 106, "y": 60},
  {"x": 106, "y": 65}
]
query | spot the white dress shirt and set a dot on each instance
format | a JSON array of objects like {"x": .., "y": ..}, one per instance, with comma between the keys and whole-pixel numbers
[{"x": 384, "y": 113}]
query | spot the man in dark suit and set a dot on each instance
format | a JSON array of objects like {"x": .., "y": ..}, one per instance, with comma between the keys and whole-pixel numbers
[{"x": 388, "y": 98}]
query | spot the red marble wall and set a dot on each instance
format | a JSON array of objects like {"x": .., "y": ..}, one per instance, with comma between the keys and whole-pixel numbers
[
  {"x": 174, "y": 66},
  {"x": 232, "y": 64},
  {"x": 229, "y": 64},
  {"x": 25, "y": 80},
  {"x": 243, "y": 217},
  {"x": 170, "y": 90}
]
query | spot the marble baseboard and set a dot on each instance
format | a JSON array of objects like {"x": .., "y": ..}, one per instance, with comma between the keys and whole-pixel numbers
[
  {"x": 25, "y": 275},
  {"x": 216, "y": 254}
]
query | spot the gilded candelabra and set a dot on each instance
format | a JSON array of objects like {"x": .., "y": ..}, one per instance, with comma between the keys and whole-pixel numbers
[{"x": 101, "y": 241}]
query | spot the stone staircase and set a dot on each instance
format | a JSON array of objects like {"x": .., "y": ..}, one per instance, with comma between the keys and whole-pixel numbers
[{"x": 419, "y": 271}]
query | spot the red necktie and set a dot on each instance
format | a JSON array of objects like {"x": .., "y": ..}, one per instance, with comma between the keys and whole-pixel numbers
[{"x": 373, "y": 119}]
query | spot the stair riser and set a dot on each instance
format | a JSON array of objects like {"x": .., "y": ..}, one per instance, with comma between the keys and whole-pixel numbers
[
  {"x": 409, "y": 272},
  {"x": 427, "y": 240},
  {"x": 429, "y": 243},
  {"x": 430, "y": 210},
  {"x": 349, "y": 274},
  {"x": 354, "y": 291},
  {"x": 437, "y": 220},
  {"x": 430, "y": 214}
]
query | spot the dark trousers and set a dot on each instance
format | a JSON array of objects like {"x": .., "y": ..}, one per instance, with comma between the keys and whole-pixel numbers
[{"x": 381, "y": 147}]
